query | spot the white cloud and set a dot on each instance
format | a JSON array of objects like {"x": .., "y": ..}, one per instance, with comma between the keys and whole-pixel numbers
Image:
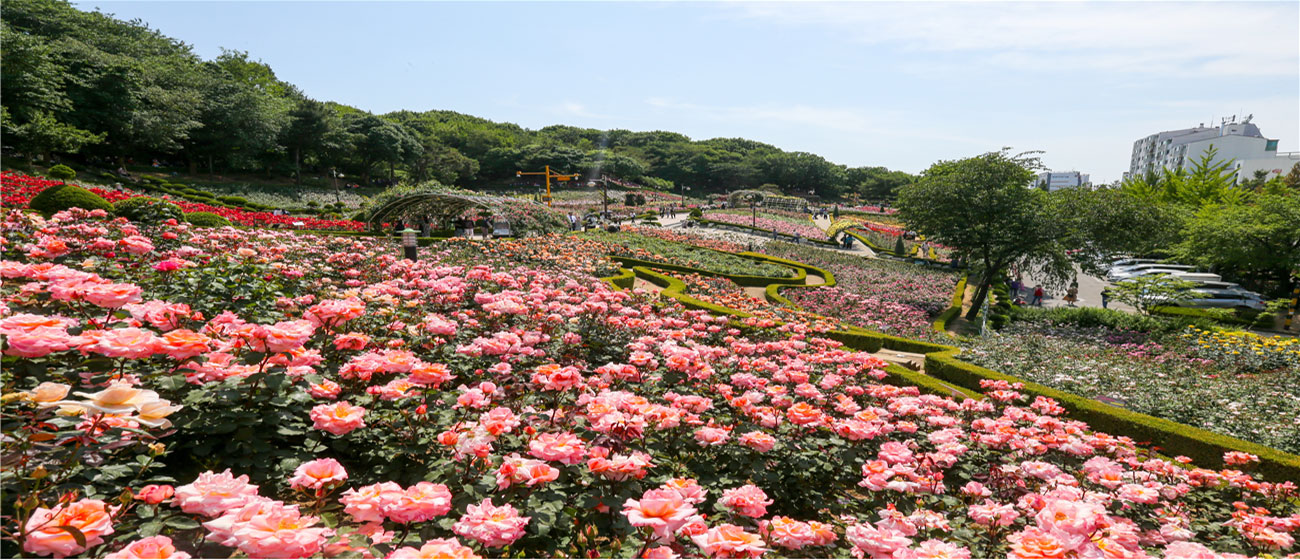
[{"x": 1184, "y": 38}]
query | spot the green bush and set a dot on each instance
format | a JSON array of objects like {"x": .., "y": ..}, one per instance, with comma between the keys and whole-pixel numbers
[
  {"x": 62, "y": 197},
  {"x": 696, "y": 213},
  {"x": 61, "y": 172},
  {"x": 1110, "y": 318},
  {"x": 206, "y": 219},
  {"x": 148, "y": 210},
  {"x": 900, "y": 248}
]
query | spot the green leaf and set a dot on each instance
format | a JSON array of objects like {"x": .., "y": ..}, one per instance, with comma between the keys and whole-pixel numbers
[
  {"x": 76, "y": 533},
  {"x": 181, "y": 522}
]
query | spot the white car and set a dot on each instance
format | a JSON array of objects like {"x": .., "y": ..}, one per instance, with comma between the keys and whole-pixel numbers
[
  {"x": 1231, "y": 299},
  {"x": 1132, "y": 272},
  {"x": 1121, "y": 263}
]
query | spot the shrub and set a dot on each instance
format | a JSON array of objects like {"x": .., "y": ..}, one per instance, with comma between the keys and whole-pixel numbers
[
  {"x": 148, "y": 210},
  {"x": 206, "y": 219},
  {"x": 62, "y": 197},
  {"x": 899, "y": 248},
  {"x": 696, "y": 213},
  {"x": 61, "y": 172},
  {"x": 1110, "y": 318}
]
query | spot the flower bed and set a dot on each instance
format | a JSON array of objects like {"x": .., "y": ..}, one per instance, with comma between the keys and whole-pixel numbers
[
  {"x": 671, "y": 252},
  {"x": 17, "y": 191},
  {"x": 212, "y": 392},
  {"x": 771, "y": 222},
  {"x": 872, "y": 313},
  {"x": 1166, "y": 377},
  {"x": 893, "y": 297},
  {"x": 725, "y": 293}
]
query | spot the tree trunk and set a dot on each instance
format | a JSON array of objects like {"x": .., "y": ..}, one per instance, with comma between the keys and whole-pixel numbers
[
  {"x": 194, "y": 164},
  {"x": 211, "y": 166},
  {"x": 297, "y": 166},
  {"x": 981, "y": 293}
]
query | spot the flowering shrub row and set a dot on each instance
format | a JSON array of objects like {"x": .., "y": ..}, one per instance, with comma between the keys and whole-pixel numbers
[
  {"x": 770, "y": 222},
  {"x": 178, "y": 392},
  {"x": 17, "y": 190}
]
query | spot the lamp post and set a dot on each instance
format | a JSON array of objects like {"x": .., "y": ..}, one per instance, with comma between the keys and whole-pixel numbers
[
  {"x": 684, "y": 189},
  {"x": 409, "y": 243}
]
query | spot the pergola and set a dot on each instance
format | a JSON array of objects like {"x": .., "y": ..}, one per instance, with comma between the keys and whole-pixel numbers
[{"x": 441, "y": 207}]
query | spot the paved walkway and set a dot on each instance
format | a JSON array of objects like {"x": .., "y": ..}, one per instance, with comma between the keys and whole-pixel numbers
[{"x": 1090, "y": 288}]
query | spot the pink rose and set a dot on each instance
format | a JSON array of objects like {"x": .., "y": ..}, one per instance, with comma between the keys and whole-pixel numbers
[{"x": 338, "y": 418}]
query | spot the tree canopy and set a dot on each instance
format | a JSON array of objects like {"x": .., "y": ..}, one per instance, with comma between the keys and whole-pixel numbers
[{"x": 86, "y": 85}]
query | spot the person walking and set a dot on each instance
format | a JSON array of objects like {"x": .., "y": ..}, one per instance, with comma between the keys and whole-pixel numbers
[
  {"x": 1038, "y": 297},
  {"x": 1072, "y": 294},
  {"x": 1105, "y": 298}
]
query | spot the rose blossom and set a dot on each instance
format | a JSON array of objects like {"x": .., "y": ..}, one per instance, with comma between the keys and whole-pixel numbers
[
  {"x": 317, "y": 474},
  {"x": 44, "y": 536},
  {"x": 435, "y": 548},
  {"x": 151, "y": 547},
  {"x": 490, "y": 525},
  {"x": 747, "y": 500},
  {"x": 338, "y": 418},
  {"x": 662, "y": 510},
  {"x": 730, "y": 541},
  {"x": 211, "y": 494},
  {"x": 155, "y": 493}
]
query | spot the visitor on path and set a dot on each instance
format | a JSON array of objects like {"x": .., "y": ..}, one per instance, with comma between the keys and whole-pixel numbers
[
  {"x": 1015, "y": 287},
  {"x": 1072, "y": 294},
  {"x": 1105, "y": 298},
  {"x": 1038, "y": 297}
]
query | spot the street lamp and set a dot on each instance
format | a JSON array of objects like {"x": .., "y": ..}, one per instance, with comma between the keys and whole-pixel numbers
[
  {"x": 409, "y": 243},
  {"x": 684, "y": 189}
]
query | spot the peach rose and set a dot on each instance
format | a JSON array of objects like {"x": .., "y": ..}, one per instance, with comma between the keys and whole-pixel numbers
[
  {"x": 151, "y": 547},
  {"x": 436, "y": 548},
  {"x": 155, "y": 493},
  {"x": 212, "y": 494},
  {"x": 44, "y": 535},
  {"x": 338, "y": 418},
  {"x": 49, "y": 392},
  {"x": 318, "y": 474},
  {"x": 730, "y": 541}
]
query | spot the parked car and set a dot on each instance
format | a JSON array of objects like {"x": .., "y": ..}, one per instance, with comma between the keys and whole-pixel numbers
[
  {"x": 1228, "y": 299},
  {"x": 1198, "y": 277},
  {"x": 1130, "y": 262},
  {"x": 1129, "y": 273}
]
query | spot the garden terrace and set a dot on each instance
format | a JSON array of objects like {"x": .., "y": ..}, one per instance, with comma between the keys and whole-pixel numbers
[{"x": 488, "y": 403}]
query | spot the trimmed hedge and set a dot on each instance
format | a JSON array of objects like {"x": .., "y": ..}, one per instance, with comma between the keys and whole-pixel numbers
[
  {"x": 624, "y": 280},
  {"x": 1170, "y": 438},
  {"x": 958, "y": 298},
  {"x": 206, "y": 219},
  {"x": 58, "y": 198},
  {"x": 148, "y": 210},
  {"x": 741, "y": 279}
]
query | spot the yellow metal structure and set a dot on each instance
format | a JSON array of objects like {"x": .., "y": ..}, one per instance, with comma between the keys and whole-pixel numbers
[{"x": 549, "y": 176}]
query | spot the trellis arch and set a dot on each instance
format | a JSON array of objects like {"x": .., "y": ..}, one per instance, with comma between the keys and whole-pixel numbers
[{"x": 742, "y": 198}]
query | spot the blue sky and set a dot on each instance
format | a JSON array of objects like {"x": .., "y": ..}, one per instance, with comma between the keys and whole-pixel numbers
[{"x": 871, "y": 83}]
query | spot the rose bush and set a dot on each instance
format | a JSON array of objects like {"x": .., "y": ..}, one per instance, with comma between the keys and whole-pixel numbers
[{"x": 514, "y": 405}]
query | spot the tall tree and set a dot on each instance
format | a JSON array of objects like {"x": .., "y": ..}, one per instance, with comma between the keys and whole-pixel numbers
[
  {"x": 981, "y": 208},
  {"x": 306, "y": 131}
]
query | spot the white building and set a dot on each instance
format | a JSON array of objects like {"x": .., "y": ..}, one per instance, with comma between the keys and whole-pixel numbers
[
  {"x": 1180, "y": 149},
  {"x": 1057, "y": 180},
  {"x": 1280, "y": 164}
]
